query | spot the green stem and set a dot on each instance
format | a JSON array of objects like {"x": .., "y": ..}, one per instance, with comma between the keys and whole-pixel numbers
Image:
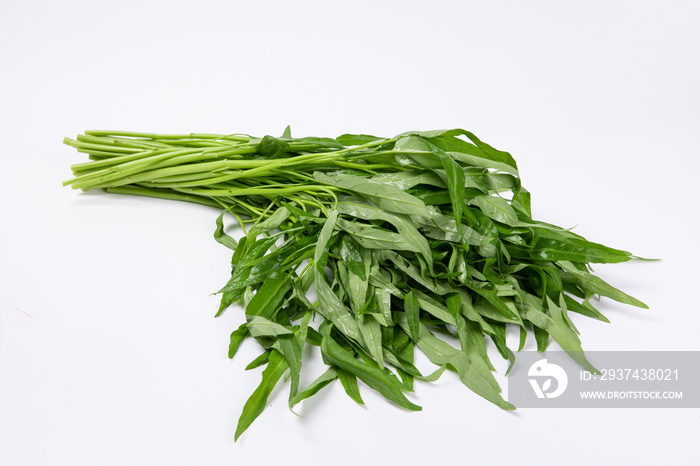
[{"x": 162, "y": 194}]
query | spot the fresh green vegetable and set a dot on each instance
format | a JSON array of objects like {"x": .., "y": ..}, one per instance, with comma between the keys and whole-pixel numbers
[{"x": 406, "y": 241}]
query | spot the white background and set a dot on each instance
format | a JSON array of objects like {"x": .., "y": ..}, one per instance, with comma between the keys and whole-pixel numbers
[{"x": 109, "y": 352}]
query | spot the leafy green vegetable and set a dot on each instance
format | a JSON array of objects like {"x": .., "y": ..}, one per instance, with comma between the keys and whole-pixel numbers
[{"x": 410, "y": 242}]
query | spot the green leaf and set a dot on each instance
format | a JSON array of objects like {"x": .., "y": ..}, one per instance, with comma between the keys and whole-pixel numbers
[
  {"x": 349, "y": 382},
  {"x": 287, "y": 133},
  {"x": 384, "y": 196},
  {"x": 444, "y": 228},
  {"x": 378, "y": 379},
  {"x": 360, "y": 208},
  {"x": 405, "y": 180},
  {"x": 237, "y": 337},
  {"x": 261, "y": 360},
  {"x": 324, "y": 379},
  {"x": 222, "y": 237},
  {"x": 474, "y": 153},
  {"x": 262, "y": 327},
  {"x": 496, "y": 208},
  {"x": 473, "y": 373},
  {"x": 433, "y": 307},
  {"x": 351, "y": 254},
  {"x": 560, "y": 245},
  {"x": 383, "y": 300},
  {"x": 357, "y": 289},
  {"x": 455, "y": 181},
  {"x": 499, "y": 339},
  {"x": 372, "y": 334},
  {"x": 272, "y": 147},
  {"x": 454, "y": 306},
  {"x": 493, "y": 306},
  {"x": 471, "y": 314},
  {"x": 598, "y": 285},
  {"x": 257, "y": 401},
  {"x": 375, "y": 238},
  {"x": 521, "y": 201},
  {"x": 556, "y": 326},
  {"x": 272, "y": 222},
  {"x": 431, "y": 196},
  {"x": 412, "y": 309},
  {"x": 413, "y": 271},
  {"x": 435, "y": 375},
  {"x": 290, "y": 347},
  {"x": 523, "y": 338},
  {"x": 541, "y": 338},
  {"x": 243, "y": 274},
  {"x": 579, "y": 308},
  {"x": 269, "y": 297},
  {"x": 356, "y": 139},
  {"x": 493, "y": 154},
  {"x": 330, "y": 306}
]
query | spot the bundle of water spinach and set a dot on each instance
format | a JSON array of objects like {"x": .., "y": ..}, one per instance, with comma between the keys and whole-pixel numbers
[{"x": 368, "y": 247}]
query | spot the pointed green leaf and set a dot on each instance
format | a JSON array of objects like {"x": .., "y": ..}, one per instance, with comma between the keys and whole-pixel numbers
[
  {"x": 237, "y": 337},
  {"x": 455, "y": 181},
  {"x": 272, "y": 147},
  {"x": 261, "y": 360},
  {"x": 330, "y": 306},
  {"x": 371, "y": 237},
  {"x": 324, "y": 379},
  {"x": 222, "y": 237},
  {"x": 349, "y": 382},
  {"x": 599, "y": 286},
  {"x": 261, "y": 327},
  {"x": 356, "y": 139},
  {"x": 257, "y": 401},
  {"x": 350, "y": 252},
  {"x": 290, "y": 348},
  {"x": 556, "y": 326},
  {"x": 412, "y": 309},
  {"x": 474, "y": 374},
  {"x": 272, "y": 222},
  {"x": 496, "y": 208},
  {"x": 360, "y": 208},
  {"x": 384, "y": 196},
  {"x": 372, "y": 334},
  {"x": 378, "y": 379},
  {"x": 269, "y": 297}
]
